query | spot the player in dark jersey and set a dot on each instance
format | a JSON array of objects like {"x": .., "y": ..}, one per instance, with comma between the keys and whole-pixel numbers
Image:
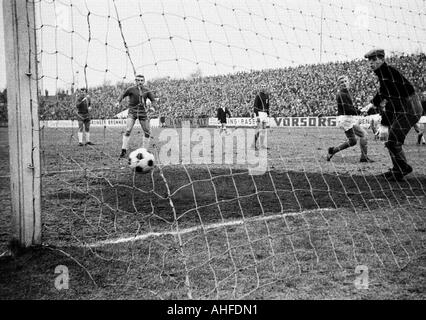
[
  {"x": 261, "y": 111},
  {"x": 400, "y": 110},
  {"x": 83, "y": 105},
  {"x": 222, "y": 112},
  {"x": 348, "y": 120},
  {"x": 138, "y": 110}
]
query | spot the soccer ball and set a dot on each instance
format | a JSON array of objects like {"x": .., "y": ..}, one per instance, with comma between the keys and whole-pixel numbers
[{"x": 141, "y": 160}]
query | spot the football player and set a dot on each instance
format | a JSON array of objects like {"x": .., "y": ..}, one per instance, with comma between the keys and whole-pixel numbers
[
  {"x": 222, "y": 112},
  {"x": 400, "y": 108},
  {"x": 419, "y": 127},
  {"x": 347, "y": 119},
  {"x": 138, "y": 110},
  {"x": 83, "y": 115},
  {"x": 261, "y": 111}
]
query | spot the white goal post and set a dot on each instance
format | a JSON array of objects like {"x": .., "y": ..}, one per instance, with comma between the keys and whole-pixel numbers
[{"x": 23, "y": 123}]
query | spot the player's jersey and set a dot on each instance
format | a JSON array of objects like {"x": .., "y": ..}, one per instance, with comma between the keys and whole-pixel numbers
[
  {"x": 345, "y": 106},
  {"x": 261, "y": 103},
  {"x": 393, "y": 87},
  {"x": 137, "y": 98},
  {"x": 221, "y": 114},
  {"x": 83, "y": 104}
]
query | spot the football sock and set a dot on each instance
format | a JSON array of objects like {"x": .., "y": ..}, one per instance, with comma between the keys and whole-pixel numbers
[
  {"x": 125, "y": 142},
  {"x": 80, "y": 137},
  {"x": 256, "y": 137},
  {"x": 87, "y": 137},
  {"x": 146, "y": 143},
  {"x": 262, "y": 137},
  {"x": 341, "y": 147}
]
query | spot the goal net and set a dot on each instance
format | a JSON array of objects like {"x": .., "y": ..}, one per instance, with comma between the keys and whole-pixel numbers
[{"x": 201, "y": 224}]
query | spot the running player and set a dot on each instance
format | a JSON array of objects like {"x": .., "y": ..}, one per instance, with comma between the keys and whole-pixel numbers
[{"x": 347, "y": 118}]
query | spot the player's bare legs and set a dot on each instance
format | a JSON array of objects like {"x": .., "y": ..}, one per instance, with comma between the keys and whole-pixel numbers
[
  {"x": 87, "y": 131},
  {"x": 351, "y": 141},
  {"x": 262, "y": 136},
  {"x": 259, "y": 136},
  {"x": 256, "y": 135},
  {"x": 419, "y": 128},
  {"x": 84, "y": 130},
  {"x": 147, "y": 135},
  {"x": 126, "y": 136},
  {"x": 223, "y": 129},
  {"x": 363, "y": 142},
  {"x": 80, "y": 132}
]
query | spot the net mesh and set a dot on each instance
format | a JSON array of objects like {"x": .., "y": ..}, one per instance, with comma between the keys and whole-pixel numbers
[{"x": 214, "y": 230}]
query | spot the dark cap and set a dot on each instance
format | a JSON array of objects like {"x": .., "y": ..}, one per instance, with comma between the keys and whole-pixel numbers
[{"x": 375, "y": 53}]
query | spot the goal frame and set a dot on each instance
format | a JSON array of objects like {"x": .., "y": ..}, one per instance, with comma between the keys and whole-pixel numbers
[{"x": 23, "y": 121}]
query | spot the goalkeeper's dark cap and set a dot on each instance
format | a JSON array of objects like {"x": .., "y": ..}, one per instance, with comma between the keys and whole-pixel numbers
[{"x": 375, "y": 53}]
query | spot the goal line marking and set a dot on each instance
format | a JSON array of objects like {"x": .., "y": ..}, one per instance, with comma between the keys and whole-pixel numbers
[{"x": 143, "y": 237}]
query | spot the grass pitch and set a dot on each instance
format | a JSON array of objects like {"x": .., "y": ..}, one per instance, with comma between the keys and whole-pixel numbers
[{"x": 214, "y": 232}]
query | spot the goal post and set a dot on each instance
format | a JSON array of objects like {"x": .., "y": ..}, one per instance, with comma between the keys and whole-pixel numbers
[{"x": 23, "y": 121}]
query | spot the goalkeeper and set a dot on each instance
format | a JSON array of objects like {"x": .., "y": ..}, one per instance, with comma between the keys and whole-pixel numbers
[
  {"x": 349, "y": 122},
  {"x": 400, "y": 109}
]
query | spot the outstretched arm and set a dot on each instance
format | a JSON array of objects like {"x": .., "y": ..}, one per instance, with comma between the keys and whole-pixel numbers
[
  {"x": 153, "y": 99},
  {"x": 121, "y": 97}
]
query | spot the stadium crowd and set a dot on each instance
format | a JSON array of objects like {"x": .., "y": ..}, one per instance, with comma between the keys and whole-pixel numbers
[{"x": 306, "y": 90}]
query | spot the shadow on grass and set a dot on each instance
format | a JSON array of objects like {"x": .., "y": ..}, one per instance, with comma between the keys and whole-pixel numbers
[{"x": 331, "y": 224}]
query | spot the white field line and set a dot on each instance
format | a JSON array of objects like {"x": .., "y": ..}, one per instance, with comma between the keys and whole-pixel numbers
[{"x": 207, "y": 227}]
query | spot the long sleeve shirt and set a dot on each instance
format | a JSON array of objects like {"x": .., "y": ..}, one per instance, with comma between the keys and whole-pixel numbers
[
  {"x": 261, "y": 103},
  {"x": 395, "y": 89},
  {"x": 345, "y": 105},
  {"x": 83, "y": 104}
]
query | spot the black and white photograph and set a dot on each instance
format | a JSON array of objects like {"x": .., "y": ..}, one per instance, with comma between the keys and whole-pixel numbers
[{"x": 226, "y": 152}]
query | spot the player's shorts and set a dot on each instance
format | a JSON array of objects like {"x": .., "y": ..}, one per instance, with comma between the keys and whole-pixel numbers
[
  {"x": 262, "y": 117},
  {"x": 83, "y": 122},
  {"x": 347, "y": 122},
  {"x": 137, "y": 115}
]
